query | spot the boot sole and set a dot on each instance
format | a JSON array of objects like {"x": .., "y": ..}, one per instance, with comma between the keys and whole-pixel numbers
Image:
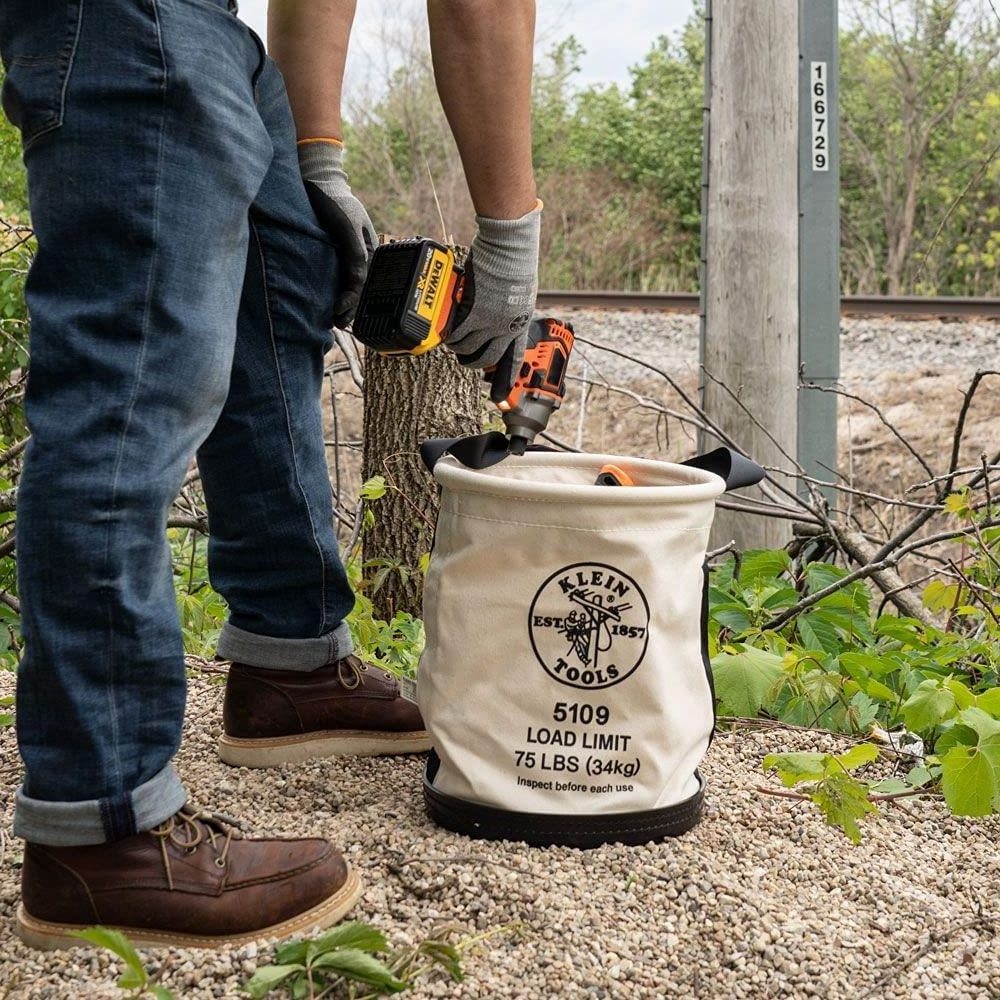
[
  {"x": 271, "y": 751},
  {"x": 46, "y": 936}
]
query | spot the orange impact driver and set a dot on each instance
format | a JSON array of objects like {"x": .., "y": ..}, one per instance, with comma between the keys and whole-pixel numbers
[
  {"x": 407, "y": 307},
  {"x": 540, "y": 385}
]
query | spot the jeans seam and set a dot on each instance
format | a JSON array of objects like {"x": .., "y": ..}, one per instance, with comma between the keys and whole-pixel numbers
[
  {"x": 61, "y": 113},
  {"x": 72, "y": 59},
  {"x": 288, "y": 425},
  {"x": 130, "y": 408}
]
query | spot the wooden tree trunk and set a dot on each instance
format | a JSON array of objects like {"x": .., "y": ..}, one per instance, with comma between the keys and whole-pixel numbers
[
  {"x": 751, "y": 300},
  {"x": 405, "y": 401}
]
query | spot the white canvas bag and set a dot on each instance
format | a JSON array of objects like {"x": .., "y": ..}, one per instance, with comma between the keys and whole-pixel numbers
[{"x": 565, "y": 682}]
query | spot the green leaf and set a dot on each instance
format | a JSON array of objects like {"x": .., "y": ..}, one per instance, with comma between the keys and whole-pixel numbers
[
  {"x": 360, "y": 966},
  {"x": 955, "y": 735},
  {"x": 735, "y": 617},
  {"x": 859, "y": 665},
  {"x": 374, "y": 488},
  {"x": 969, "y": 781},
  {"x": 798, "y": 710},
  {"x": 919, "y": 776},
  {"x": 843, "y": 800},
  {"x": 763, "y": 564},
  {"x": 292, "y": 953},
  {"x": 852, "y": 603},
  {"x": 820, "y": 575},
  {"x": 268, "y": 976},
  {"x": 878, "y": 691},
  {"x": 982, "y": 724},
  {"x": 852, "y": 622},
  {"x": 957, "y": 503},
  {"x": 809, "y": 638},
  {"x": 863, "y": 711},
  {"x": 445, "y": 955},
  {"x": 379, "y": 578},
  {"x": 819, "y": 632},
  {"x": 904, "y": 630},
  {"x": 928, "y": 706},
  {"x": 989, "y": 701},
  {"x": 744, "y": 680},
  {"x": 822, "y": 687},
  {"x": 792, "y": 768},
  {"x": 161, "y": 993},
  {"x": 940, "y": 596},
  {"x": 783, "y": 597},
  {"x": 890, "y": 786},
  {"x": 862, "y": 753},
  {"x": 352, "y": 935},
  {"x": 135, "y": 976},
  {"x": 964, "y": 698}
]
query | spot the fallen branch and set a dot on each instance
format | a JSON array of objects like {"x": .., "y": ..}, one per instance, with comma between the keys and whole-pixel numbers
[{"x": 781, "y": 793}]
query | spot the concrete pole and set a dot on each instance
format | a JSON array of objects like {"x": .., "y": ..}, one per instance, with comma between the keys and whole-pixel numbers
[{"x": 750, "y": 277}]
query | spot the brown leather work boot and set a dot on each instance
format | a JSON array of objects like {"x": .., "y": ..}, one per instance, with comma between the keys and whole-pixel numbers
[
  {"x": 285, "y": 716},
  {"x": 193, "y": 881}
]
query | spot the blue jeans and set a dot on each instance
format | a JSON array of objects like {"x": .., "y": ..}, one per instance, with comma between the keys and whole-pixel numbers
[{"x": 180, "y": 301}]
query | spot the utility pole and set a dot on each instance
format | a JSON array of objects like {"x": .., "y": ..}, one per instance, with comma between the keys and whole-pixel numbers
[{"x": 750, "y": 246}]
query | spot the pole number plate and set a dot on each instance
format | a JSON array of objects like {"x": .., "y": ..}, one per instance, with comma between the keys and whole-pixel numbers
[{"x": 820, "y": 116}]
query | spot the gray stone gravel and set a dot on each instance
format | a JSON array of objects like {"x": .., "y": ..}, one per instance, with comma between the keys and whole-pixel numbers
[
  {"x": 868, "y": 345},
  {"x": 761, "y": 900}
]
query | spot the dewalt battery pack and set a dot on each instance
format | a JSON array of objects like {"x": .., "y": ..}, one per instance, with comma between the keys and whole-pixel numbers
[{"x": 409, "y": 297}]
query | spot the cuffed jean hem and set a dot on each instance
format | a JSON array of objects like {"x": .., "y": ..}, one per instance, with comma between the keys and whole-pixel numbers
[
  {"x": 284, "y": 654},
  {"x": 99, "y": 821}
]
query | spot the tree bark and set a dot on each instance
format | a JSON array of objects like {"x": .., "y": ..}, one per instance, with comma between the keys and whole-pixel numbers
[
  {"x": 407, "y": 400},
  {"x": 888, "y": 581}
]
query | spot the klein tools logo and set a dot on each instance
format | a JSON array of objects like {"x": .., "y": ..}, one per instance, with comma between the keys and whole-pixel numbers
[{"x": 589, "y": 625}]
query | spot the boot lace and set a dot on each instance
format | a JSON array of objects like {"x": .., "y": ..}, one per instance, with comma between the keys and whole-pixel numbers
[
  {"x": 189, "y": 828},
  {"x": 350, "y": 672}
]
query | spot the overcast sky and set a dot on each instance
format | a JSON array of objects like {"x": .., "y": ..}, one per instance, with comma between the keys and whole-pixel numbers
[{"x": 616, "y": 35}]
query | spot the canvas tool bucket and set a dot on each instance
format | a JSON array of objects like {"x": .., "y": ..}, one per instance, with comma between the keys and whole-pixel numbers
[{"x": 565, "y": 681}]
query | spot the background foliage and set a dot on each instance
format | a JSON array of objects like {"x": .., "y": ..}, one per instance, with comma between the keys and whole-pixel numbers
[{"x": 619, "y": 167}]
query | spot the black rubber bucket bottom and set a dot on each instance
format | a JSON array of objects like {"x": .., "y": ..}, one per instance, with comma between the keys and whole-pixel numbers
[{"x": 549, "y": 829}]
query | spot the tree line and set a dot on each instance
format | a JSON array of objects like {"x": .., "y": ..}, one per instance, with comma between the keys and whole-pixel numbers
[{"x": 619, "y": 166}]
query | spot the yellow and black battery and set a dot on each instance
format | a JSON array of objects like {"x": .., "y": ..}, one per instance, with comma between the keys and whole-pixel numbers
[{"x": 409, "y": 298}]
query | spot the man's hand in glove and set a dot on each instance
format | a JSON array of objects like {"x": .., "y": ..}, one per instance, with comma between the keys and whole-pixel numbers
[
  {"x": 341, "y": 215},
  {"x": 501, "y": 283}
]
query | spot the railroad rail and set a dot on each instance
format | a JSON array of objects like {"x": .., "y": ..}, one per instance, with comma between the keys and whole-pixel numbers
[{"x": 942, "y": 307}]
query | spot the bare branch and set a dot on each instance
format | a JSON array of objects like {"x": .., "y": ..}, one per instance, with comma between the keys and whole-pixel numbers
[
  {"x": 871, "y": 406},
  {"x": 350, "y": 351}
]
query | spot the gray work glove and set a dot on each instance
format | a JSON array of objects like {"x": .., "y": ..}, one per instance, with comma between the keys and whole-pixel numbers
[
  {"x": 501, "y": 283},
  {"x": 342, "y": 216}
]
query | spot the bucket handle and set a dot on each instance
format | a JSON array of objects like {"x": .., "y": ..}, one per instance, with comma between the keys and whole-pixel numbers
[{"x": 480, "y": 451}]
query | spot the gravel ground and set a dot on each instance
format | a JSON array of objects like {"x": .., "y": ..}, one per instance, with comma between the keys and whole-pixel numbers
[
  {"x": 868, "y": 346},
  {"x": 761, "y": 900}
]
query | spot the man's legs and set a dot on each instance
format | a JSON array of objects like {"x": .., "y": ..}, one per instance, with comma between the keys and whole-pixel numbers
[
  {"x": 294, "y": 691},
  {"x": 144, "y": 150}
]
